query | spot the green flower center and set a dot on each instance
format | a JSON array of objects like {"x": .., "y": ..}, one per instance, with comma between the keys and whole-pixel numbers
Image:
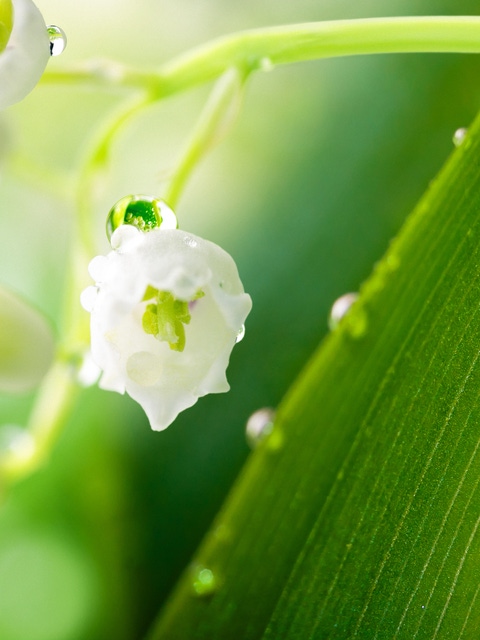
[
  {"x": 6, "y": 22},
  {"x": 166, "y": 316}
]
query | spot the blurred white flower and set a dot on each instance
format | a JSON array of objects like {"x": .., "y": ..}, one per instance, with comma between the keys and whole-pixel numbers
[
  {"x": 165, "y": 315},
  {"x": 26, "y": 54}
]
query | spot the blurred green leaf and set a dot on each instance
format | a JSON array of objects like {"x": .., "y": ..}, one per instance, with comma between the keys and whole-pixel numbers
[
  {"x": 365, "y": 523},
  {"x": 26, "y": 344}
]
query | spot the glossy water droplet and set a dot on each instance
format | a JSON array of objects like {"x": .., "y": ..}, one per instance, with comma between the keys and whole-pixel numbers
[
  {"x": 16, "y": 442},
  {"x": 143, "y": 212},
  {"x": 259, "y": 426},
  {"x": 340, "y": 308},
  {"x": 459, "y": 136},
  {"x": 240, "y": 334},
  {"x": 190, "y": 242},
  {"x": 58, "y": 40},
  {"x": 204, "y": 583}
]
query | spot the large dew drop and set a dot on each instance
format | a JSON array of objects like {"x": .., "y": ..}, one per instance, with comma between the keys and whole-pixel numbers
[
  {"x": 143, "y": 212},
  {"x": 58, "y": 40}
]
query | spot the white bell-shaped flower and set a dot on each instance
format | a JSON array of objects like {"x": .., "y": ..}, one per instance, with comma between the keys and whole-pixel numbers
[
  {"x": 26, "y": 53},
  {"x": 165, "y": 314}
]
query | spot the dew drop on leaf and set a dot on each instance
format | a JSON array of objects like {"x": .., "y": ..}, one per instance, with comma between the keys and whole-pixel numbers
[
  {"x": 459, "y": 136},
  {"x": 204, "y": 583},
  {"x": 259, "y": 426},
  {"x": 340, "y": 308}
]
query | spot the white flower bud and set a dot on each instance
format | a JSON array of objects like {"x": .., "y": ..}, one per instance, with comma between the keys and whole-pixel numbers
[
  {"x": 25, "y": 57},
  {"x": 165, "y": 315}
]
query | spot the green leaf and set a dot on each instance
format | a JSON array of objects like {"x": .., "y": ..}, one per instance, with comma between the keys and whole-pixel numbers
[
  {"x": 26, "y": 344},
  {"x": 365, "y": 524}
]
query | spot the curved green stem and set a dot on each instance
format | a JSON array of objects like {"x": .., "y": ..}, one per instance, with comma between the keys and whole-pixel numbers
[
  {"x": 104, "y": 73},
  {"x": 58, "y": 391},
  {"x": 95, "y": 163},
  {"x": 53, "y": 405},
  {"x": 297, "y": 43},
  {"x": 213, "y": 124}
]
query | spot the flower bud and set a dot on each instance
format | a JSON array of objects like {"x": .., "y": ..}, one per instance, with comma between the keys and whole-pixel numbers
[{"x": 25, "y": 49}]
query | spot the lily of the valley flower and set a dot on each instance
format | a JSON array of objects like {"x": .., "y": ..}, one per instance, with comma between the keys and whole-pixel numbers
[
  {"x": 24, "y": 49},
  {"x": 165, "y": 315}
]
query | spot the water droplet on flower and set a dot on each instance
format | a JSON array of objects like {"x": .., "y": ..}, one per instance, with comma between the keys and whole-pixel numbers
[
  {"x": 204, "y": 583},
  {"x": 240, "y": 334},
  {"x": 17, "y": 442},
  {"x": 190, "y": 242},
  {"x": 259, "y": 426},
  {"x": 459, "y": 136},
  {"x": 143, "y": 212},
  {"x": 340, "y": 308},
  {"x": 58, "y": 40}
]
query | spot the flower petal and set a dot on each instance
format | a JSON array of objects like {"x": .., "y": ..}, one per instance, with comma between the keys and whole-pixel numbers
[
  {"x": 145, "y": 361},
  {"x": 26, "y": 55}
]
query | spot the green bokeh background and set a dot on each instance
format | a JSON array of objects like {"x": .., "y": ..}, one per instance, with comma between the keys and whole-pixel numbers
[{"x": 323, "y": 165}]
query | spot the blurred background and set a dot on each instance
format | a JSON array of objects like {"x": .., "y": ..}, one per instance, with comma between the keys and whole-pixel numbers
[{"x": 323, "y": 165}]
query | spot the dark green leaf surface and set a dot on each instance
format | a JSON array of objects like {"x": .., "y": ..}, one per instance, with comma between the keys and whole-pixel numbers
[{"x": 364, "y": 524}]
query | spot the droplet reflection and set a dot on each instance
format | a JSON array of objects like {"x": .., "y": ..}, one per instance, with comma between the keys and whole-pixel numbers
[
  {"x": 144, "y": 212},
  {"x": 58, "y": 40}
]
